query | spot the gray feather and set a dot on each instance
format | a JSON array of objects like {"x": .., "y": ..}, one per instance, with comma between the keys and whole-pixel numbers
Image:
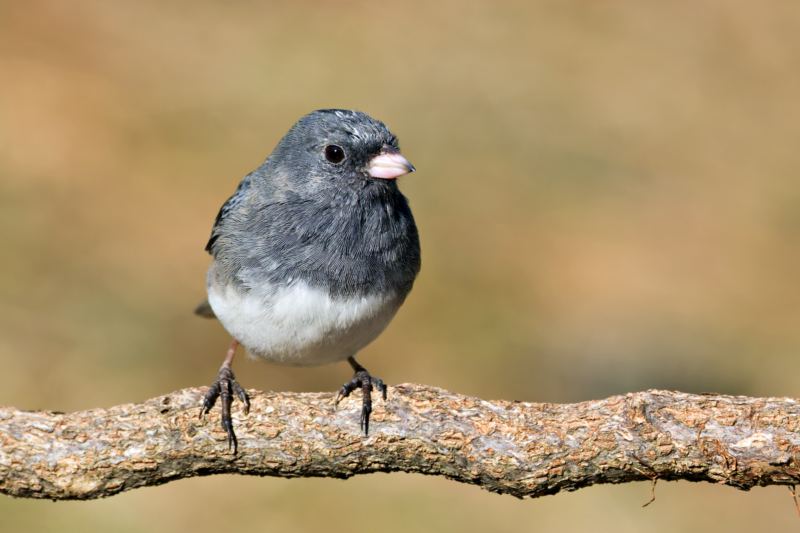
[
  {"x": 300, "y": 217},
  {"x": 204, "y": 310}
]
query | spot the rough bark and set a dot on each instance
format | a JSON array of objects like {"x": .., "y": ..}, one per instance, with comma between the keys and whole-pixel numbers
[{"x": 522, "y": 449}]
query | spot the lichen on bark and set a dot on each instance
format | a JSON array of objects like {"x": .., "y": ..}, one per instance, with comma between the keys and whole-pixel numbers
[{"x": 516, "y": 448}]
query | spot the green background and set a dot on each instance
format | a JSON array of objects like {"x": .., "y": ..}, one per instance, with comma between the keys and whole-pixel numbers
[{"x": 607, "y": 195}]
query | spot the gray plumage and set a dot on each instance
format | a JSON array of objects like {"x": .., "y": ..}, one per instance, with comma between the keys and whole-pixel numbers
[{"x": 299, "y": 216}]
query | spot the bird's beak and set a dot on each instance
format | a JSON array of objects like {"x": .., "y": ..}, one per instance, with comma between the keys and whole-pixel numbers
[{"x": 389, "y": 164}]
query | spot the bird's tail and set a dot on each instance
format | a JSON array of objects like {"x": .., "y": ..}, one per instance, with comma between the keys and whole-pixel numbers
[{"x": 204, "y": 310}]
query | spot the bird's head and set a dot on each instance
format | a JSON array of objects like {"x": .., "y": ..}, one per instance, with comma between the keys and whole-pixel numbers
[{"x": 339, "y": 148}]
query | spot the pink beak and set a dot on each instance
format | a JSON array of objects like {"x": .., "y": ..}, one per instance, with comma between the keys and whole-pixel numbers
[{"x": 389, "y": 165}]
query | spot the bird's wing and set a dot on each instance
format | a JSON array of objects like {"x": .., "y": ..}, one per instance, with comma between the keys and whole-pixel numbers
[{"x": 233, "y": 202}]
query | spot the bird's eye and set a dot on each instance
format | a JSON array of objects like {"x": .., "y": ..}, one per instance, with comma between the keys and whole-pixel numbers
[{"x": 334, "y": 153}]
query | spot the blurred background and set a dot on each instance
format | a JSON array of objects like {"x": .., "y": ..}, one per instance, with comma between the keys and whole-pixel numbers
[{"x": 607, "y": 196}]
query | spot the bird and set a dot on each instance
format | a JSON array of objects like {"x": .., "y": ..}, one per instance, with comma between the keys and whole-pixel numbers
[{"x": 313, "y": 254}]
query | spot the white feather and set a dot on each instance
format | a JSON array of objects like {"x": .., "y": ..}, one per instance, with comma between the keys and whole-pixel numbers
[{"x": 298, "y": 325}]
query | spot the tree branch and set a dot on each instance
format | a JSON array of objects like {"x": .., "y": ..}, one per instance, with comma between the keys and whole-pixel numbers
[{"x": 522, "y": 449}]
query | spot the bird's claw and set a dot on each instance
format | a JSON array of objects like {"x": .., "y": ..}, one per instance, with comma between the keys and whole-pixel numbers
[
  {"x": 362, "y": 380},
  {"x": 225, "y": 387}
]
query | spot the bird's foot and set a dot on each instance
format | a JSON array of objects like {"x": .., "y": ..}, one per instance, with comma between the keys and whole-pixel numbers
[
  {"x": 226, "y": 386},
  {"x": 362, "y": 380}
]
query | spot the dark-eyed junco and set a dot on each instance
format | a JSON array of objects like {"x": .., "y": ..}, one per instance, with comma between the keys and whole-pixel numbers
[{"x": 314, "y": 253}]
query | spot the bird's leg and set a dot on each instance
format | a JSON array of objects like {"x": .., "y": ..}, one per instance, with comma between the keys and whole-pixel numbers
[
  {"x": 226, "y": 386},
  {"x": 361, "y": 380}
]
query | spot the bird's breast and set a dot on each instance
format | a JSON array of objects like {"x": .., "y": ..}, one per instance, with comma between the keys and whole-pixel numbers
[{"x": 296, "y": 324}]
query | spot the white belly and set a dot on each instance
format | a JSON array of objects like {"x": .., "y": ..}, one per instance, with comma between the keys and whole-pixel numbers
[{"x": 299, "y": 325}]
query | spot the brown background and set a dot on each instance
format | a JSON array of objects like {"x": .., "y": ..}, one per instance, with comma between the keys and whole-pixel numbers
[{"x": 607, "y": 197}]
